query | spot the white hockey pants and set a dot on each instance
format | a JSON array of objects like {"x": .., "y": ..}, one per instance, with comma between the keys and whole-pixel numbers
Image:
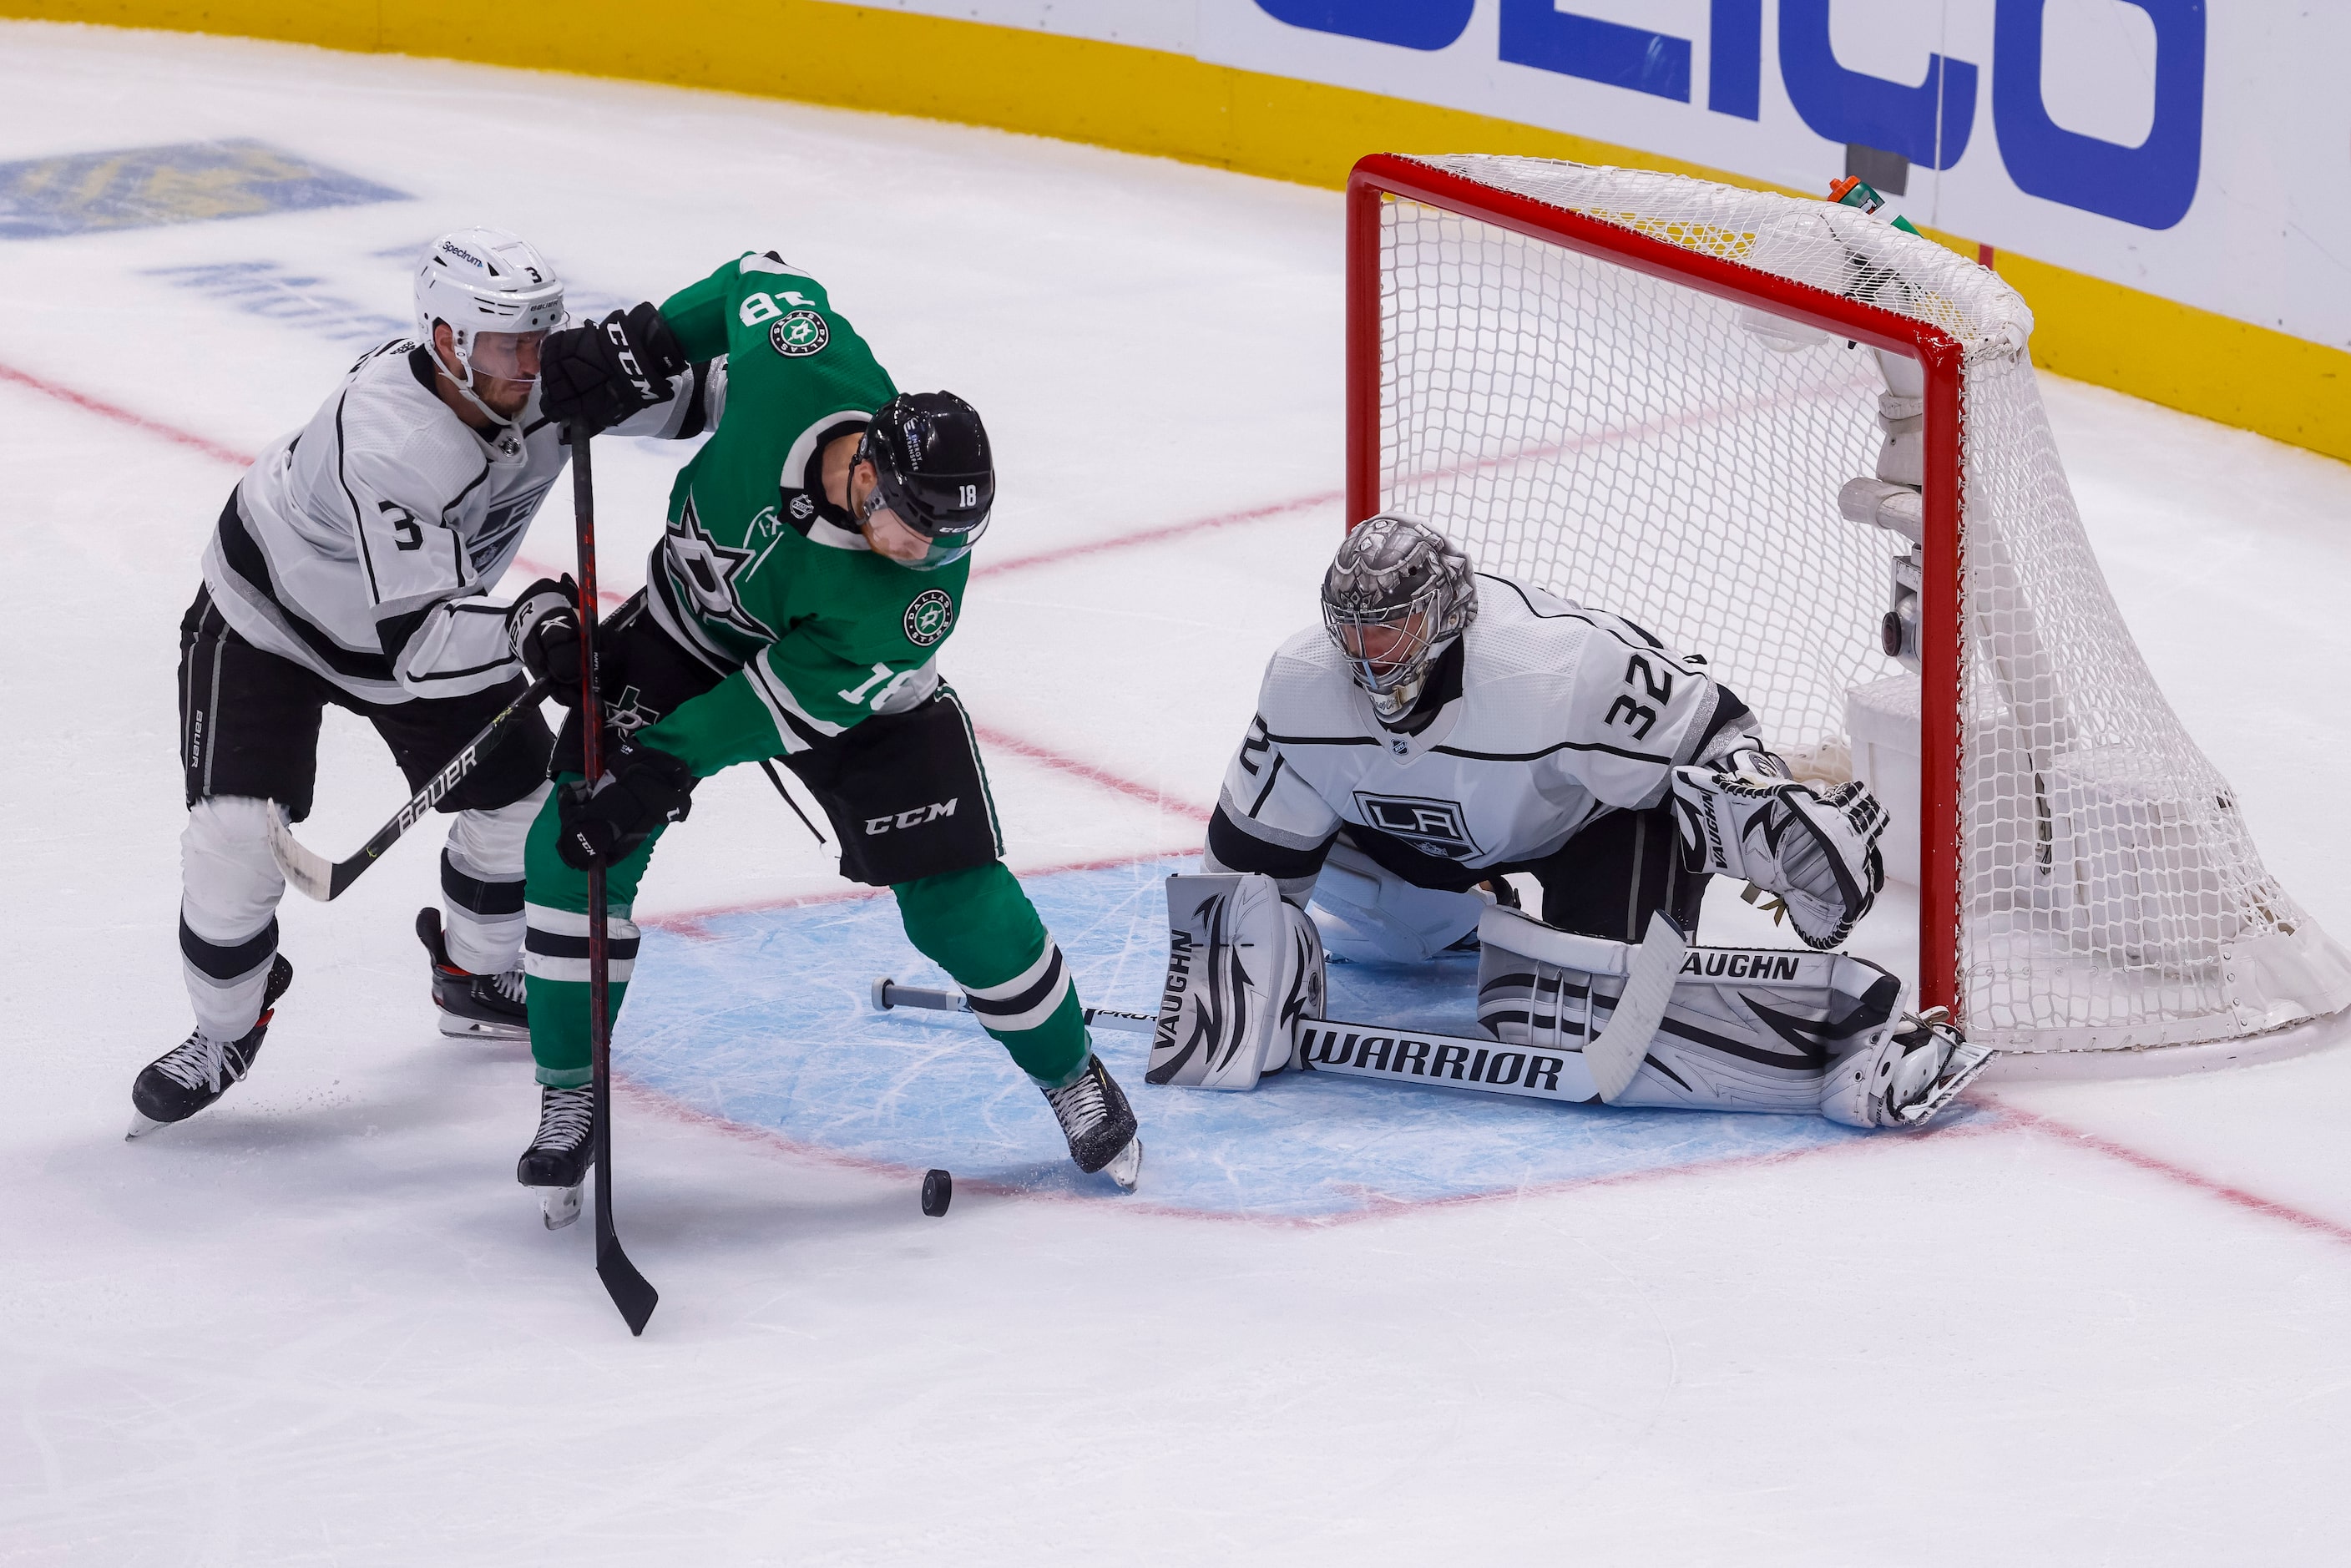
[{"x": 1370, "y": 915}]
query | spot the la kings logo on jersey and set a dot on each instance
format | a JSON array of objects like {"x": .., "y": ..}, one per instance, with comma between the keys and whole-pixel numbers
[
  {"x": 798, "y": 333},
  {"x": 503, "y": 522},
  {"x": 1436, "y": 827},
  {"x": 929, "y": 617}
]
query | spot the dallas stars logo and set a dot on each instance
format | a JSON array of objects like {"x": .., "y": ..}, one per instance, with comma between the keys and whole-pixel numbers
[
  {"x": 628, "y": 712},
  {"x": 706, "y": 569},
  {"x": 798, "y": 333},
  {"x": 928, "y": 617}
]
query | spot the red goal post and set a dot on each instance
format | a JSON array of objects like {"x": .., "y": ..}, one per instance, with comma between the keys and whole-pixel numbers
[{"x": 1560, "y": 365}]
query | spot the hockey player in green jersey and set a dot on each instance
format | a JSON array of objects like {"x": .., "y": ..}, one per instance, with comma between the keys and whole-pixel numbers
[{"x": 799, "y": 620}]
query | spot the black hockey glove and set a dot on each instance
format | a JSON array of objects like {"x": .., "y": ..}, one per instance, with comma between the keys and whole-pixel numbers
[
  {"x": 600, "y": 373},
  {"x": 644, "y": 789},
  {"x": 543, "y": 630}
]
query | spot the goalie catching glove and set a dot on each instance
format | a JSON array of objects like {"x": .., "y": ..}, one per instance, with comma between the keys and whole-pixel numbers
[
  {"x": 1244, "y": 968},
  {"x": 1746, "y": 818}
]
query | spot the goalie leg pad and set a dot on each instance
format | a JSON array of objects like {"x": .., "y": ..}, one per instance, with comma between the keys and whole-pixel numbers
[
  {"x": 1903, "y": 1079},
  {"x": 1744, "y": 1029},
  {"x": 1817, "y": 852},
  {"x": 1244, "y": 973}
]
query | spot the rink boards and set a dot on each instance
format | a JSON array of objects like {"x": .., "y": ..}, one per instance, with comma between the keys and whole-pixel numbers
[{"x": 762, "y": 1018}]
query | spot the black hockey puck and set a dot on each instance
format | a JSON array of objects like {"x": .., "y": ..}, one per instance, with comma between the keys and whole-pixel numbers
[{"x": 938, "y": 1191}]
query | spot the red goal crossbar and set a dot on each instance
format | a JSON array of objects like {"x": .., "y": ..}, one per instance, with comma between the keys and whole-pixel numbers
[{"x": 1381, "y": 176}]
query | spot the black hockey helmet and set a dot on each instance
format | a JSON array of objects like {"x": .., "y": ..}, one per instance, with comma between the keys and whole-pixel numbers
[{"x": 936, "y": 471}]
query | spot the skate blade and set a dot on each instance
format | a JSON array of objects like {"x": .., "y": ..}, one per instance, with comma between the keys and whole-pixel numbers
[
  {"x": 1967, "y": 1061},
  {"x": 1126, "y": 1167},
  {"x": 472, "y": 1029},
  {"x": 559, "y": 1207},
  {"x": 141, "y": 1125}
]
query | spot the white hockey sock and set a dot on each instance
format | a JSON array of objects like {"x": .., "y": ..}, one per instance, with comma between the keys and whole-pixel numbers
[
  {"x": 229, "y": 889},
  {"x": 482, "y": 884}
]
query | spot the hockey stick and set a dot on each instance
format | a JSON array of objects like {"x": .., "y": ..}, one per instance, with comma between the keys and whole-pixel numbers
[
  {"x": 1614, "y": 1055},
  {"x": 310, "y": 872},
  {"x": 629, "y": 1288},
  {"x": 777, "y": 779},
  {"x": 1383, "y": 1051}
]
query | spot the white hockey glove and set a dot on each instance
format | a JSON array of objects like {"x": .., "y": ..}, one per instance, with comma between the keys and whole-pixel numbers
[
  {"x": 1817, "y": 852},
  {"x": 1244, "y": 973}
]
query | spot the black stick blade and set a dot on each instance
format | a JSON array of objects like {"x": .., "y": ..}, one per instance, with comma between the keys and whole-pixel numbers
[{"x": 631, "y": 1292}]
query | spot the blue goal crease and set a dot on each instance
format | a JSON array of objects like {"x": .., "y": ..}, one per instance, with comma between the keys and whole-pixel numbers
[{"x": 763, "y": 1018}]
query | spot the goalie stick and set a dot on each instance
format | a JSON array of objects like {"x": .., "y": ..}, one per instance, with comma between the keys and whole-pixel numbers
[
  {"x": 1614, "y": 1055},
  {"x": 1384, "y": 1051}
]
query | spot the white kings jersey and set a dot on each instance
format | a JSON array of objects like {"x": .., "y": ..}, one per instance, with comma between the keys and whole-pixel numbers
[
  {"x": 362, "y": 546},
  {"x": 1551, "y": 715}
]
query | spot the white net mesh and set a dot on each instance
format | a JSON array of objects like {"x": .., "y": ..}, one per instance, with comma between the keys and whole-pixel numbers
[{"x": 1638, "y": 446}]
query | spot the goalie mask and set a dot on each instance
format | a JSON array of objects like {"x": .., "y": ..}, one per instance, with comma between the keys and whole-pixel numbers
[
  {"x": 1397, "y": 596},
  {"x": 499, "y": 298}
]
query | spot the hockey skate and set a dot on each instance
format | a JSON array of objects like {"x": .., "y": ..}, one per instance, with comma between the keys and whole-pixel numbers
[
  {"x": 472, "y": 1007},
  {"x": 1099, "y": 1123},
  {"x": 561, "y": 1152},
  {"x": 199, "y": 1070}
]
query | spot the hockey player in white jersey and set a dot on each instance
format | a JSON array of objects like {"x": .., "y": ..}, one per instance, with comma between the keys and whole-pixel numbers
[
  {"x": 1443, "y": 730},
  {"x": 351, "y": 566}
]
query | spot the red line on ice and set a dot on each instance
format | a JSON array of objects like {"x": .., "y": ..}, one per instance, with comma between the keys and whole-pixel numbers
[
  {"x": 1159, "y": 535},
  {"x": 104, "y": 410},
  {"x": 2252, "y": 1202},
  {"x": 1091, "y": 772}
]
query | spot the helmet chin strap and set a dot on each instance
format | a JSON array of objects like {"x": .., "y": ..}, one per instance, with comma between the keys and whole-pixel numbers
[{"x": 464, "y": 383}]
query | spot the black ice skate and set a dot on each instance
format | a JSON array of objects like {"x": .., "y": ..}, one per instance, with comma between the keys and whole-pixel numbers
[
  {"x": 561, "y": 1150},
  {"x": 472, "y": 1007},
  {"x": 198, "y": 1071},
  {"x": 1100, "y": 1126}
]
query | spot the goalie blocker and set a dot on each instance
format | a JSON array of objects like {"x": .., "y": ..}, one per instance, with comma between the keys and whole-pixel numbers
[{"x": 1755, "y": 1029}]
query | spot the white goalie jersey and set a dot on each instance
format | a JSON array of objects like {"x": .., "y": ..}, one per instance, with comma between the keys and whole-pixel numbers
[
  {"x": 363, "y": 545},
  {"x": 1547, "y": 717}
]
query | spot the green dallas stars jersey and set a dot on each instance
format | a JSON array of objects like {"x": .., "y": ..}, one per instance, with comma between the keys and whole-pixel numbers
[{"x": 758, "y": 574}]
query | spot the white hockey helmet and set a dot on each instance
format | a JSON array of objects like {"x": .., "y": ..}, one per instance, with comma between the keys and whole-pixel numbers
[{"x": 486, "y": 280}]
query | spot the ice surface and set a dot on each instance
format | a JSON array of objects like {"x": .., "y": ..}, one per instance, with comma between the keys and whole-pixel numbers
[
  {"x": 761, "y": 1019},
  {"x": 2086, "y": 1322}
]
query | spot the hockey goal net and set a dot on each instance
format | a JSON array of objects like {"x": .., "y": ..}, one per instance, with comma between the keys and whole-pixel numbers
[{"x": 1656, "y": 395}]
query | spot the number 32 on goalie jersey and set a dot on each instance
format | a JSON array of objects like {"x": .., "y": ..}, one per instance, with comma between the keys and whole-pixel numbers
[{"x": 1642, "y": 718}]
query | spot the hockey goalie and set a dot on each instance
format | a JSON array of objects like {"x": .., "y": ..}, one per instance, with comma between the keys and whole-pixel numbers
[{"x": 1444, "y": 729}]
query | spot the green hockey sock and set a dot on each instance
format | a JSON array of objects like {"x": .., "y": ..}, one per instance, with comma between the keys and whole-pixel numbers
[
  {"x": 555, "y": 946},
  {"x": 979, "y": 927}
]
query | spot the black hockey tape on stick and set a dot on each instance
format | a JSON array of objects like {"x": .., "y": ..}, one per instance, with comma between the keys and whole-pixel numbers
[
  {"x": 1381, "y": 1051},
  {"x": 631, "y": 1292},
  {"x": 889, "y": 994}
]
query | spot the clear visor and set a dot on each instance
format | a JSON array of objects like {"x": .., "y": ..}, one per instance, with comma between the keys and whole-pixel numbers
[
  {"x": 506, "y": 355},
  {"x": 894, "y": 538}
]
